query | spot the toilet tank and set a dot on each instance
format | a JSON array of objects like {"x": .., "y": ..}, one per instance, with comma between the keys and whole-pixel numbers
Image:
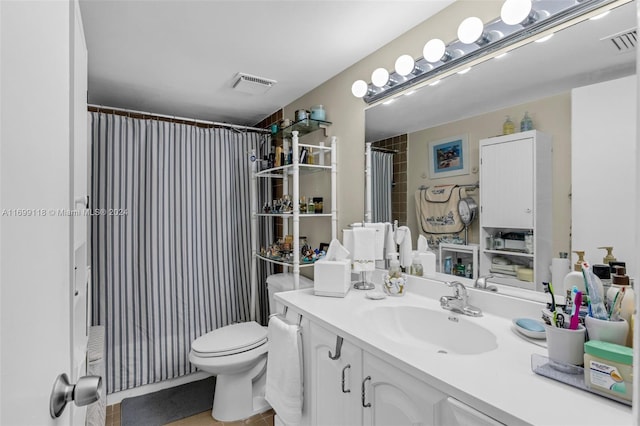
[{"x": 283, "y": 282}]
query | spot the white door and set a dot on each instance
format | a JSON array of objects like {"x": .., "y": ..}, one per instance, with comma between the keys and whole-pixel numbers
[
  {"x": 36, "y": 237},
  {"x": 393, "y": 397},
  {"x": 506, "y": 184},
  {"x": 335, "y": 383}
]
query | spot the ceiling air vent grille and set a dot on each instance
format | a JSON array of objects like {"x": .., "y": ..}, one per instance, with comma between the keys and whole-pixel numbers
[
  {"x": 624, "y": 41},
  {"x": 251, "y": 84}
]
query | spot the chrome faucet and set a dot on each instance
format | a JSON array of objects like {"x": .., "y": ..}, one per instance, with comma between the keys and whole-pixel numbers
[
  {"x": 481, "y": 283},
  {"x": 458, "y": 302}
]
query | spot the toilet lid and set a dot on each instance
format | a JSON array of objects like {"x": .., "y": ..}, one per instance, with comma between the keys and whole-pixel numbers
[{"x": 230, "y": 339}]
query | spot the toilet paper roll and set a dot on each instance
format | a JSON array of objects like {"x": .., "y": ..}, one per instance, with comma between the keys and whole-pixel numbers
[{"x": 559, "y": 269}]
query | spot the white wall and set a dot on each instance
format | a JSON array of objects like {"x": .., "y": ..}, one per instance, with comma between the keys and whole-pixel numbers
[{"x": 603, "y": 163}]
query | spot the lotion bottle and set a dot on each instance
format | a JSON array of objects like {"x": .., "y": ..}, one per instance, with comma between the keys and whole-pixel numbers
[
  {"x": 620, "y": 279},
  {"x": 575, "y": 278},
  {"x": 416, "y": 265}
]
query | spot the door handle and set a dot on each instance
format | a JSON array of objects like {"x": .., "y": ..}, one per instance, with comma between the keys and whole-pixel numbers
[
  {"x": 343, "y": 378},
  {"x": 364, "y": 393},
  {"x": 86, "y": 391}
]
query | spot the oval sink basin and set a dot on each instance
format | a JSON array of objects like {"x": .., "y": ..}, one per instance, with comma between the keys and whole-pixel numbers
[{"x": 448, "y": 333}]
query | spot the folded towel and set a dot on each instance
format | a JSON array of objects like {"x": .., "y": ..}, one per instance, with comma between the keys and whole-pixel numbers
[
  {"x": 284, "y": 370},
  {"x": 364, "y": 249},
  {"x": 403, "y": 239}
]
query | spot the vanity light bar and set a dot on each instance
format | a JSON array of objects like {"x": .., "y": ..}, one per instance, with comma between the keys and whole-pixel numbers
[{"x": 540, "y": 16}]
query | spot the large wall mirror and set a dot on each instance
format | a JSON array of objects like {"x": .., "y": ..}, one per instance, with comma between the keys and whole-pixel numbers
[{"x": 537, "y": 78}]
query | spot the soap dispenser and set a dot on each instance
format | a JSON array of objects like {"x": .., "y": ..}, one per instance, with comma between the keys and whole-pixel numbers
[
  {"x": 394, "y": 266},
  {"x": 575, "y": 278},
  {"x": 416, "y": 265},
  {"x": 609, "y": 257},
  {"x": 394, "y": 282},
  {"x": 620, "y": 280}
]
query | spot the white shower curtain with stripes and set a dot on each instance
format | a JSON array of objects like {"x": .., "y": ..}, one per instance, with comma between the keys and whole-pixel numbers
[
  {"x": 171, "y": 247},
  {"x": 381, "y": 182}
]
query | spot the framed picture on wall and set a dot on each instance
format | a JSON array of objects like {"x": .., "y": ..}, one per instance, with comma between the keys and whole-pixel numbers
[{"x": 449, "y": 157}]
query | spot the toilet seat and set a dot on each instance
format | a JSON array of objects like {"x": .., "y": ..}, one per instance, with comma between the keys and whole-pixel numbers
[{"x": 229, "y": 340}]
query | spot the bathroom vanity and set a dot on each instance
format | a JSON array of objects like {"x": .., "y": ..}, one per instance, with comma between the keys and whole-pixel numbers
[{"x": 405, "y": 360}]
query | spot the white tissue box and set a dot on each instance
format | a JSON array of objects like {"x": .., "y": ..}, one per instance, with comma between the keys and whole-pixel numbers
[{"x": 332, "y": 278}]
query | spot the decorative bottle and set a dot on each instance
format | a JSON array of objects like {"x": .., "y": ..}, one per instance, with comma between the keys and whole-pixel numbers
[
  {"x": 526, "y": 123},
  {"x": 508, "y": 127}
]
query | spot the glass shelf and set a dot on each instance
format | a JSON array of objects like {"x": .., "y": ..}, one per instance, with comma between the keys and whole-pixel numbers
[
  {"x": 281, "y": 262},
  {"x": 304, "y": 127},
  {"x": 288, "y": 215},
  {"x": 304, "y": 169},
  {"x": 510, "y": 253}
]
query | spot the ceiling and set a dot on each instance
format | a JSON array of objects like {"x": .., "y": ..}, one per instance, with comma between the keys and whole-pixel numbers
[
  {"x": 577, "y": 56},
  {"x": 179, "y": 57}
]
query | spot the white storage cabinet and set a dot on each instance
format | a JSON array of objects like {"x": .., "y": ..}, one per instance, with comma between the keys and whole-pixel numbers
[{"x": 516, "y": 197}]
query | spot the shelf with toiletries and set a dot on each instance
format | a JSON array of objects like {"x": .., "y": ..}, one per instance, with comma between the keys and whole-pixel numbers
[
  {"x": 459, "y": 259},
  {"x": 515, "y": 209},
  {"x": 303, "y": 127},
  {"x": 289, "y": 250}
]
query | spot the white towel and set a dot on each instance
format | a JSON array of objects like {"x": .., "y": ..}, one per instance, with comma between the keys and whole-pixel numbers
[
  {"x": 389, "y": 243},
  {"x": 403, "y": 239},
  {"x": 379, "y": 238},
  {"x": 364, "y": 249},
  {"x": 284, "y": 370},
  {"x": 347, "y": 241},
  {"x": 423, "y": 244}
]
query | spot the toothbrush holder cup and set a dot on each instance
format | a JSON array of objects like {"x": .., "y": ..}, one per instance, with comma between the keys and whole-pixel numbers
[
  {"x": 565, "y": 345},
  {"x": 607, "y": 331}
]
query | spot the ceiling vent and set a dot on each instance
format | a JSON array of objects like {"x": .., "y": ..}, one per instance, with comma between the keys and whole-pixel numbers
[
  {"x": 251, "y": 84},
  {"x": 624, "y": 41}
]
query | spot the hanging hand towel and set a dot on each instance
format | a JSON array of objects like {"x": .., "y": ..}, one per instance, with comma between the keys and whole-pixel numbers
[
  {"x": 437, "y": 209},
  {"x": 364, "y": 250},
  {"x": 379, "y": 238},
  {"x": 284, "y": 370},
  {"x": 389, "y": 243},
  {"x": 347, "y": 241},
  {"x": 403, "y": 239}
]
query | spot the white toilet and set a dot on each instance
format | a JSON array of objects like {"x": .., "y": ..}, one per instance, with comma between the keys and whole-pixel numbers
[{"x": 237, "y": 355}]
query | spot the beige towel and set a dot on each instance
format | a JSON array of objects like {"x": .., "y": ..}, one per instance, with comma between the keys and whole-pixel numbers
[{"x": 437, "y": 209}]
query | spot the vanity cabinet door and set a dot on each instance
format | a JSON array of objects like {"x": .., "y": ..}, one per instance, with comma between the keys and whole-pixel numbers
[
  {"x": 392, "y": 397},
  {"x": 335, "y": 384},
  {"x": 506, "y": 184}
]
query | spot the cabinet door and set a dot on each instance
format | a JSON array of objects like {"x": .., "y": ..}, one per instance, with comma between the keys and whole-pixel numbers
[
  {"x": 456, "y": 413},
  {"x": 335, "y": 384},
  {"x": 506, "y": 184},
  {"x": 393, "y": 397}
]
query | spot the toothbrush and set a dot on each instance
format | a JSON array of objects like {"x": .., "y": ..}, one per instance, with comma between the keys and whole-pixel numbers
[
  {"x": 616, "y": 306},
  {"x": 597, "y": 306},
  {"x": 554, "y": 314},
  {"x": 575, "y": 315}
]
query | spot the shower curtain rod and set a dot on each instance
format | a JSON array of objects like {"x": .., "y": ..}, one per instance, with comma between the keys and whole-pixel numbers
[
  {"x": 98, "y": 108},
  {"x": 390, "y": 151}
]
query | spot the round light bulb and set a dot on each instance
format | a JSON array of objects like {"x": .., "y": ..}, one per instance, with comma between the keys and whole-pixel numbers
[
  {"x": 514, "y": 12},
  {"x": 404, "y": 65},
  {"x": 434, "y": 50},
  {"x": 380, "y": 77},
  {"x": 470, "y": 30},
  {"x": 359, "y": 88}
]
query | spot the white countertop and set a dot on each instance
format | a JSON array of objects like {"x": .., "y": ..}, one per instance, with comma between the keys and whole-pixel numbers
[{"x": 499, "y": 383}]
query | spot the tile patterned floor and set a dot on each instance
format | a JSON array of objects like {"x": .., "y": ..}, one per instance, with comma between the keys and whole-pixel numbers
[{"x": 202, "y": 419}]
